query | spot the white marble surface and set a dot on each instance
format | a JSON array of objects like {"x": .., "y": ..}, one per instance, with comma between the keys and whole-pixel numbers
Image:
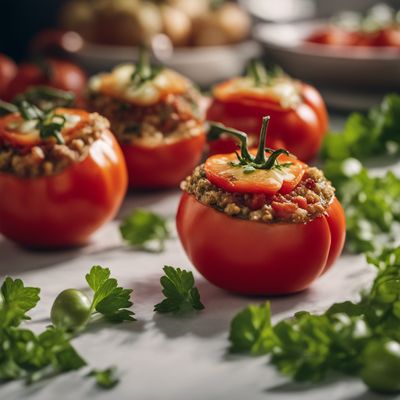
[{"x": 165, "y": 357}]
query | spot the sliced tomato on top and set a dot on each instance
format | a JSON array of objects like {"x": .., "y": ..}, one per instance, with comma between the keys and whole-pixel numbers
[
  {"x": 222, "y": 172},
  {"x": 17, "y": 132}
]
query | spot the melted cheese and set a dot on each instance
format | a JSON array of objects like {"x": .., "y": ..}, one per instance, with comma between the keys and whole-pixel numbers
[
  {"x": 23, "y": 127},
  {"x": 118, "y": 84},
  {"x": 284, "y": 90}
]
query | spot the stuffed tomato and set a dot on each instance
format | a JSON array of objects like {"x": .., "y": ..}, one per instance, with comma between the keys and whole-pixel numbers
[
  {"x": 299, "y": 118},
  {"x": 62, "y": 175},
  {"x": 259, "y": 222},
  {"x": 157, "y": 117}
]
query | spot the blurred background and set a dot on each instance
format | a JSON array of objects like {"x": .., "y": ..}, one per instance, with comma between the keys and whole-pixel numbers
[{"x": 212, "y": 40}]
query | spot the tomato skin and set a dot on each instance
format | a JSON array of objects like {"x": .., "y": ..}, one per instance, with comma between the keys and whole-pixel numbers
[
  {"x": 337, "y": 224},
  {"x": 64, "y": 76},
  {"x": 299, "y": 130},
  {"x": 254, "y": 258},
  {"x": 8, "y": 70},
  {"x": 163, "y": 166},
  {"x": 63, "y": 210}
]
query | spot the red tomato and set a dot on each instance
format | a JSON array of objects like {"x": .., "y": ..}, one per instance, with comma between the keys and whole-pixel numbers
[
  {"x": 220, "y": 172},
  {"x": 65, "y": 209},
  {"x": 60, "y": 75},
  {"x": 8, "y": 70},
  {"x": 389, "y": 37},
  {"x": 333, "y": 36},
  {"x": 255, "y": 258},
  {"x": 300, "y": 129},
  {"x": 163, "y": 166}
]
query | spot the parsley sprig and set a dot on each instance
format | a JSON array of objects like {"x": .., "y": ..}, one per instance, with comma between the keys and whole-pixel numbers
[
  {"x": 363, "y": 136},
  {"x": 109, "y": 299},
  {"x": 145, "y": 230},
  {"x": 371, "y": 204},
  {"x": 179, "y": 291},
  {"x": 31, "y": 357},
  {"x": 247, "y": 161},
  {"x": 307, "y": 346}
]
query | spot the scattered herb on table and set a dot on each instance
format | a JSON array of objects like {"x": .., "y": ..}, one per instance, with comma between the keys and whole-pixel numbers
[
  {"x": 179, "y": 290},
  {"x": 371, "y": 204},
  {"x": 360, "y": 338},
  {"x": 25, "y": 355},
  {"x": 369, "y": 135},
  {"x": 105, "y": 378},
  {"x": 144, "y": 228}
]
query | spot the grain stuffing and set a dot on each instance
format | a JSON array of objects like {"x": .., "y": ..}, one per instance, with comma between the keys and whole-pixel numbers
[
  {"x": 49, "y": 158},
  {"x": 309, "y": 200}
]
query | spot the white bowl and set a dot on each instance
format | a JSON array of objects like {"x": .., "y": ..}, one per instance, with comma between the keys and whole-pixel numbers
[
  {"x": 204, "y": 65},
  {"x": 359, "y": 74}
]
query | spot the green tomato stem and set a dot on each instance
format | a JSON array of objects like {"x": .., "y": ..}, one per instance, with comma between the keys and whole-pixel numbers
[
  {"x": 261, "y": 160},
  {"x": 261, "y": 156}
]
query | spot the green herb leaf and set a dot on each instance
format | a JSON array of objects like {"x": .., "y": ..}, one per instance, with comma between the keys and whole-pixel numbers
[
  {"x": 143, "y": 228},
  {"x": 46, "y": 98},
  {"x": 306, "y": 347},
  {"x": 371, "y": 204},
  {"x": 109, "y": 299},
  {"x": 367, "y": 135},
  {"x": 251, "y": 330},
  {"x": 105, "y": 378},
  {"x": 17, "y": 300},
  {"x": 179, "y": 290}
]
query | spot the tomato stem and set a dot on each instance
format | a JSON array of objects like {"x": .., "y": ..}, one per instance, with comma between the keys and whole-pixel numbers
[
  {"x": 144, "y": 71},
  {"x": 261, "y": 156},
  {"x": 260, "y": 74},
  {"x": 246, "y": 160},
  {"x": 215, "y": 131},
  {"x": 256, "y": 71}
]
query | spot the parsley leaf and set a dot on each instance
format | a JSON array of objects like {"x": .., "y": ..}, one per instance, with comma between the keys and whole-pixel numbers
[
  {"x": 179, "y": 290},
  {"x": 307, "y": 346},
  {"x": 109, "y": 299},
  {"x": 105, "y": 378},
  {"x": 367, "y": 135},
  {"x": 15, "y": 301},
  {"x": 142, "y": 228},
  {"x": 371, "y": 204},
  {"x": 251, "y": 330}
]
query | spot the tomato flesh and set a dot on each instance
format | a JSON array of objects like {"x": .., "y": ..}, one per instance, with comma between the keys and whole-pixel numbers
[{"x": 220, "y": 172}]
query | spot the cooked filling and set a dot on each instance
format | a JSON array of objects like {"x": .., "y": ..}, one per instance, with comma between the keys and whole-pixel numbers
[
  {"x": 310, "y": 199},
  {"x": 176, "y": 117},
  {"x": 49, "y": 158}
]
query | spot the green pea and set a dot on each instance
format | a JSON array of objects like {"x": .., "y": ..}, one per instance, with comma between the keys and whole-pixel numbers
[
  {"x": 381, "y": 370},
  {"x": 71, "y": 309}
]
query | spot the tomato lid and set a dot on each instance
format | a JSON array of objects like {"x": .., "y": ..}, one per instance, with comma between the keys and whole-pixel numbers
[
  {"x": 142, "y": 84},
  {"x": 262, "y": 171},
  {"x": 261, "y": 85},
  {"x": 26, "y": 125}
]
